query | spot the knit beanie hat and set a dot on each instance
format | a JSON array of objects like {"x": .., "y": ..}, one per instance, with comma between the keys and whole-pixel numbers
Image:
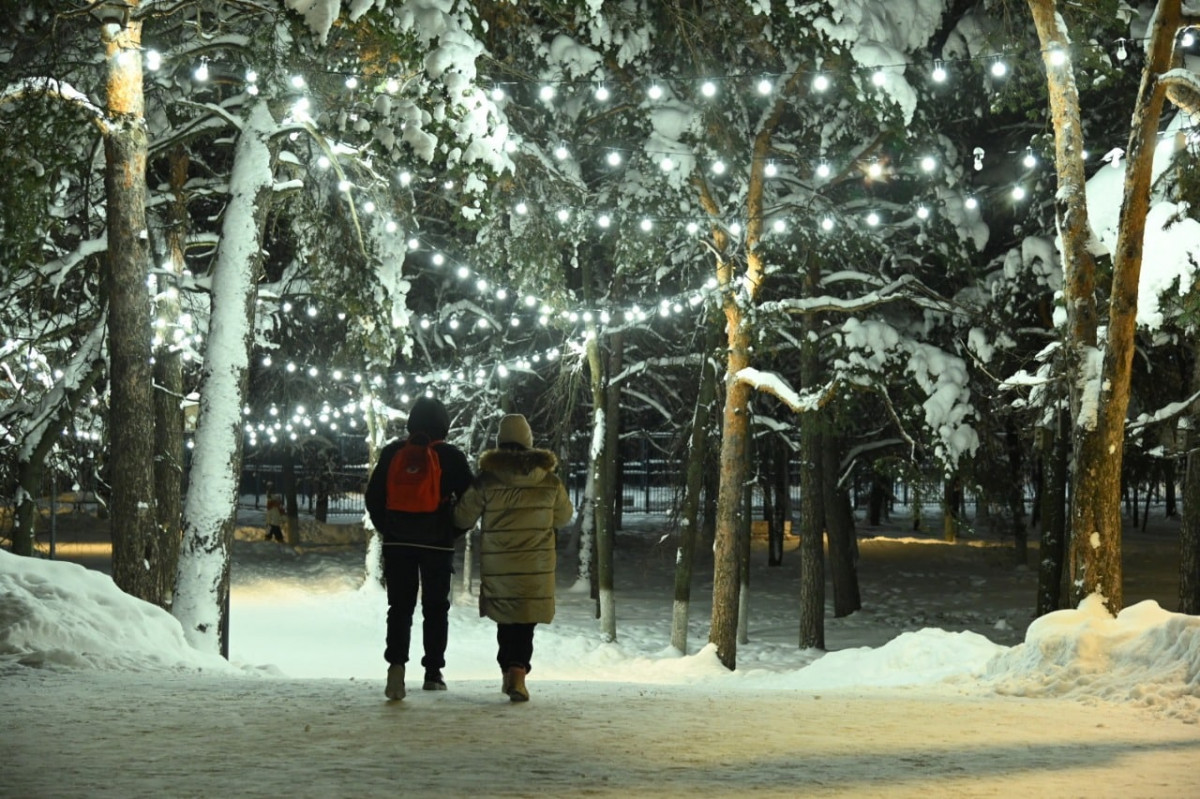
[{"x": 514, "y": 429}]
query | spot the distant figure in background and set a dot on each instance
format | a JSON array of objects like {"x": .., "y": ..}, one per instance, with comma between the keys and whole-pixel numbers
[
  {"x": 521, "y": 502},
  {"x": 410, "y": 499},
  {"x": 274, "y": 515}
]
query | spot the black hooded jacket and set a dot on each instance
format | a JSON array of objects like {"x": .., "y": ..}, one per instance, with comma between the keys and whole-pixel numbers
[{"x": 435, "y": 530}]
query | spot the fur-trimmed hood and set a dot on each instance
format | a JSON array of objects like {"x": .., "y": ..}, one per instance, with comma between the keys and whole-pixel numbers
[{"x": 518, "y": 465}]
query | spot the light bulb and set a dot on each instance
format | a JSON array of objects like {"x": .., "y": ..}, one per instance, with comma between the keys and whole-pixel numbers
[
  {"x": 939, "y": 72},
  {"x": 872, "y": 219},
  {"x": 922, "y": 212},
  {"x": 770, "y": 170},
  {"x": 764, "y": 86},
  {"x": 666, "y": 164},
  {"x": 546, "y": 93},
  {"x": 879, "y": 78},
  {"x": 826, "y": 224},
  {"x": 655, "y": 92},
  {"x": 1030, "y": 160},
  {"x": 522, "y": 208},
  {"x": 604, "y": 220},
  {"x": 351, "y": 82},
  {"x": 972, "y": 203},
  {"x": 718, "y": 167},
  {"x": 497, "y": 95},
  {"x": 297, "y": 81},
  {"x": 153, "y": 60},
  {"x": 614, "y": 158},
  {"x": 201, "y": 72},
  {"x": 1058, "y": 56},
  {"x": 601, "y": 93},
  {"x": 709, "y": 89},
  {"x": 820, "y": 83},
  {"x": 560, "y": 152},
  {"x": 928, "y": 163},
  {"x": 999, "y": 69},
  {"x": 1018, "y": 193},
  {"x": 563, "y": 214},
  {"x": 646, "y": 224},
  {"x": 823, "y": 170},
  {"x": 1122, "y": 53}
]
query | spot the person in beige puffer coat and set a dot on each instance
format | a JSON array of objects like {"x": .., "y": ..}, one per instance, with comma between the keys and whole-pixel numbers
[{"x": 520, "y": 503}]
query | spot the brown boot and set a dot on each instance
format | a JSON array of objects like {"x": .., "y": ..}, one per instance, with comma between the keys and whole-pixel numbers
[
  {"x": 517, "y": 692},
  {"x": 506, "y": 685}
]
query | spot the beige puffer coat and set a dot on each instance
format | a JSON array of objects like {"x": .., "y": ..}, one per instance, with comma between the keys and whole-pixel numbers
[{"x": 520, "y": 503}]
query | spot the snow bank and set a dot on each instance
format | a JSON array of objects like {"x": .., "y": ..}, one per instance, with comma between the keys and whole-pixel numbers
[
  {"x": 61, "y": 615},
  {"x": 1146, "y": 655}
]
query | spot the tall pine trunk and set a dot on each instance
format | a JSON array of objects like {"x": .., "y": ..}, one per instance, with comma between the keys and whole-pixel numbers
[
  {"x": 202, "y": 595},
  {"x": 137, "y": 556},
  {"x": 1100, "y": 378}
]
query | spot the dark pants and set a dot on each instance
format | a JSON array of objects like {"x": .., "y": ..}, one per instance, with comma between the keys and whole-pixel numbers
[
  {"x": 404, "y": 568},
  {"x": 516, "y": 645}
]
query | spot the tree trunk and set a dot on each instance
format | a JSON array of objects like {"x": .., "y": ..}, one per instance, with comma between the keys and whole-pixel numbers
[
  {"x": 685, "y": 555},
  {"x": 137, "y": 557},
  {"x": 812, "y": 535},
  {"x": 1102, "y": 378},
  {"x": 1016, "y": 495},
  {"x": 839, "y": 523},
  {"x": 730, "y": 510},
  {"x": 168, "y": 379},
  {"x": 600, "y": 462},
  {"x": 1189, "y": 530},
  {"x": 1054, "y": 516},
  {"x": 202, "y": 598}
]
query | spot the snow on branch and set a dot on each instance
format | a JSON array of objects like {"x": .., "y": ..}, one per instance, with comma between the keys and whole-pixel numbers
[
  {"x": 772, "y": 383},
  {"x": 890, "y": 293},
  {"x": 1163, "y": 414},
  {"x": 53, "y": 87}
]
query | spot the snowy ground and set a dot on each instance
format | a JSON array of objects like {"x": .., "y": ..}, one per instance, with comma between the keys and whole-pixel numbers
[{"x": 939, "y": 687}]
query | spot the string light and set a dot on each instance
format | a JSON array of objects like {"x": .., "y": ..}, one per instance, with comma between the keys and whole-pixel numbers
[
  {"x": 939, "y": 72},
  {"x": 820, "y": 83},
  {"x": 708, "y": 89},
  {"x": 1122, "y": 53},
  {"x": 1030, "y": 160},
  {"x": 153, "y": 60},
  {"x": 201, "y": 73},
  {"x": 764, "y": 86},
  {"x": 999, "y": 68},
  {"x": 601, "y": 93},
  {"x": 655, "y": 92}
]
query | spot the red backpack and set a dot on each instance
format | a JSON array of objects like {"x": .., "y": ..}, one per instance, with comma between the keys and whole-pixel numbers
[{"x": 414, "y": 481}]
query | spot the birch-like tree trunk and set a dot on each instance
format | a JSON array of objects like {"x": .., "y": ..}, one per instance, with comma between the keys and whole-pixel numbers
[
  {"x": 202, "y": 593},
  {"x": 599, "y": 463},
  {"x": 1100, "y": 378},
  {"x": 137, "y": 557}
]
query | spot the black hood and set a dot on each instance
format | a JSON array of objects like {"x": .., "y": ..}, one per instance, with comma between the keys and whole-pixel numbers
[{"x": 430, "y": 417}]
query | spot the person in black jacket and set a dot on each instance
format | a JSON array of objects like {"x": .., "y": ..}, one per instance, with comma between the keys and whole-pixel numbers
[{"x": 418, "y": 549}]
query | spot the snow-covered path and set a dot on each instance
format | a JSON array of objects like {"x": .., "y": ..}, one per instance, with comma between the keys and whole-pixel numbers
[
  {"x": 123, "y": 735},
  {"x": 941, "y": 686}
]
